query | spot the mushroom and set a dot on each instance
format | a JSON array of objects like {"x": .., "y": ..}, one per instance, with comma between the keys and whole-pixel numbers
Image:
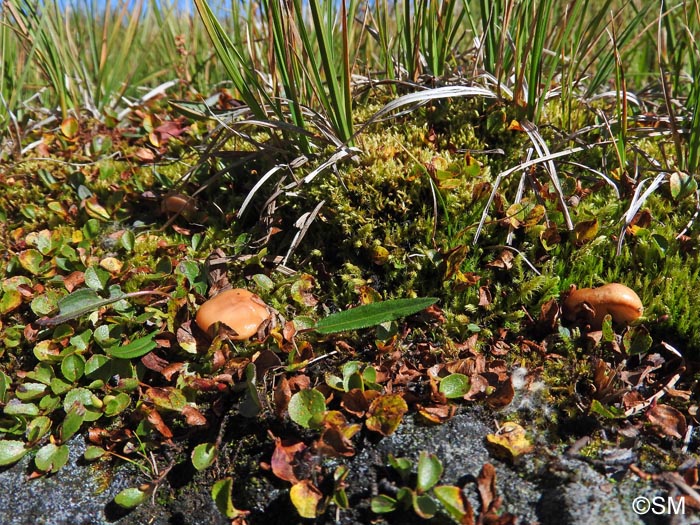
[
  {"x": 591, "y": 305},
  {"x": 241, "y": 310},
  {"x": 176, "y": 203}
]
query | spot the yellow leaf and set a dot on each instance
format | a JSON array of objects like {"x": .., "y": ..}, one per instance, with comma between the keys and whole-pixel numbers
[
  {"x": 305, "y": 497},
  {"x": 111, "y": 264},
  {"x": 95, "y": 210},
  {"x": 509, "y": 443},
  {"x": 69, "y": 127}
]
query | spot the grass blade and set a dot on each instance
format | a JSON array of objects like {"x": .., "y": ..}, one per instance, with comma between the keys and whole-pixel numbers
[{"x": 372, "y": 314}]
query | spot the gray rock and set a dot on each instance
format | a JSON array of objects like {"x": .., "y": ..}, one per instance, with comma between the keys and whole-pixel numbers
[{"x": 546, "y": 488}]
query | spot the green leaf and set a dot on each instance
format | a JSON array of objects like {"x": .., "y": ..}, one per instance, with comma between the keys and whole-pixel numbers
[
  {"x": 127, "y": 240},
  {"x": 221, "y": 494},
  {"x": 401, "y": 465},
  {"x": 45, "y": 303},
  {"x": 31, "y": 261},
  {"x": 37, "y": 428},
  {"x": 383, "y": 504},
  {"x": 116, "y": 404},
  {"x": 136, "y": 348},
  {"x": 453, "y": 501},
  {"x": 681, "y": 185},
  {"x": 96, "y": 278},
  {"x": 85, "y": 398},
  {"x": 77, "y": 304},
  {"x": 16, "y": 408},
  {"x": 203, "y": 455},
  {"x": 72, "y": 422},
  {"x": 72, "y": 367},
  {"x": 305, "y": 406},
  {"x": 372, "y": 314},
  {"x": 424, "y": 506},
  {"x": 11, "y": 451},
  {"x": 10, "y": 300},
  {"x": 429, "y": 472},
  {"x": 59, "y": 386},
  {"x": 5, "y": 383},
  {"x": 29, "y": 391},
  {"x": 637, "y": 340},
  {"x": 130, "y": 498},
  {"x": 98, "y": 367},
  {"x": 454, "y": 386},
  {"x": 607, "y": 328},
  {"x": 93, "y": 452},
  {"x": 607, "y": 412},
  {"x": 51, "y": 457}
]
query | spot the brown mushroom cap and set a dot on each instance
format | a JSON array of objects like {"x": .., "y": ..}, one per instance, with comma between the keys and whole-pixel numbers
[
  {"x": 239, "y": 309},
  {"x": 178, "y": 203}
]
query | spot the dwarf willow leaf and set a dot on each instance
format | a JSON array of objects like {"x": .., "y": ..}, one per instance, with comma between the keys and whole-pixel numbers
[
  {"x": 424, "y": 506},
  {"x": 455, "y": 385},
  {"x": 11, "y": 451},
  {"x": 130, "y": 498},
  {"x": 93, "y": 452},
  {"x": 382, "y": 504},
  {"x": 51, "y": 457},
  {"x": 372, "y": 314},
  {"x": 136, "y": 348},
  {"x": 221, "y": 494},
  {"x": 203, "y": 455},
  {"x": 429, "y": 471},
  {"x": 453, "y": 501},
  {"x": 305, "y": 406}
]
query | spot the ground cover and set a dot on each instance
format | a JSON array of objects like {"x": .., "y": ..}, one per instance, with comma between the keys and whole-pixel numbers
[{"x": 411, "y": 233}]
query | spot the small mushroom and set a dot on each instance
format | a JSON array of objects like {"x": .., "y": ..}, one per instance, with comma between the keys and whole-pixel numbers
[
  {"x": 591, "y": 305},
  {"x": 174, "y": 203},
  {"x": 241, "y": 310}
]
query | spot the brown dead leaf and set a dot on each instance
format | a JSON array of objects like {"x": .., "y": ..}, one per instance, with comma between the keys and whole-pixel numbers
[
  {"x": 193, "y": 417},
  {"x": 437, "y": 413},
  {"x": 485, "y": 298},
  {"x": 486, "y": 484},
  {"x": 299, "y": 382},
  {"x": 169, "y": 371},
  {"x": 144, "y": 155},
  {"x": 632, "y": 399},
  {"x": 502, "y": 396},
  {"x": 667, "y": 421},
  {"x": 155, "y": 419},
  {"x": 264, "y": 361},
  {"x": 355, "y": 402},
  {"x": 479, "y": 387},
  {"x": 73, "y": 280},
  {"x": 282, "y": 395},
  {"x": 289, "y": 331},
  {"x": 503, "y": 261},
  {"x": 549, "y": 316},
  {"x": 154, "y": 362}
]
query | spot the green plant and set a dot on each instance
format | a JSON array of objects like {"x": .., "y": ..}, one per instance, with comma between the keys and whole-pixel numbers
[{"x": 422, "y": 495}]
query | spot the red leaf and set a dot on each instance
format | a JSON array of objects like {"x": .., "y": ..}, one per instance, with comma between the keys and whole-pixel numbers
[{"x": 283, "y": 460}]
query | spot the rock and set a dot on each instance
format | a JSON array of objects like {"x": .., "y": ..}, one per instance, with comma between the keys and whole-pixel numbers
[{"x": 546, "y": 487}]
